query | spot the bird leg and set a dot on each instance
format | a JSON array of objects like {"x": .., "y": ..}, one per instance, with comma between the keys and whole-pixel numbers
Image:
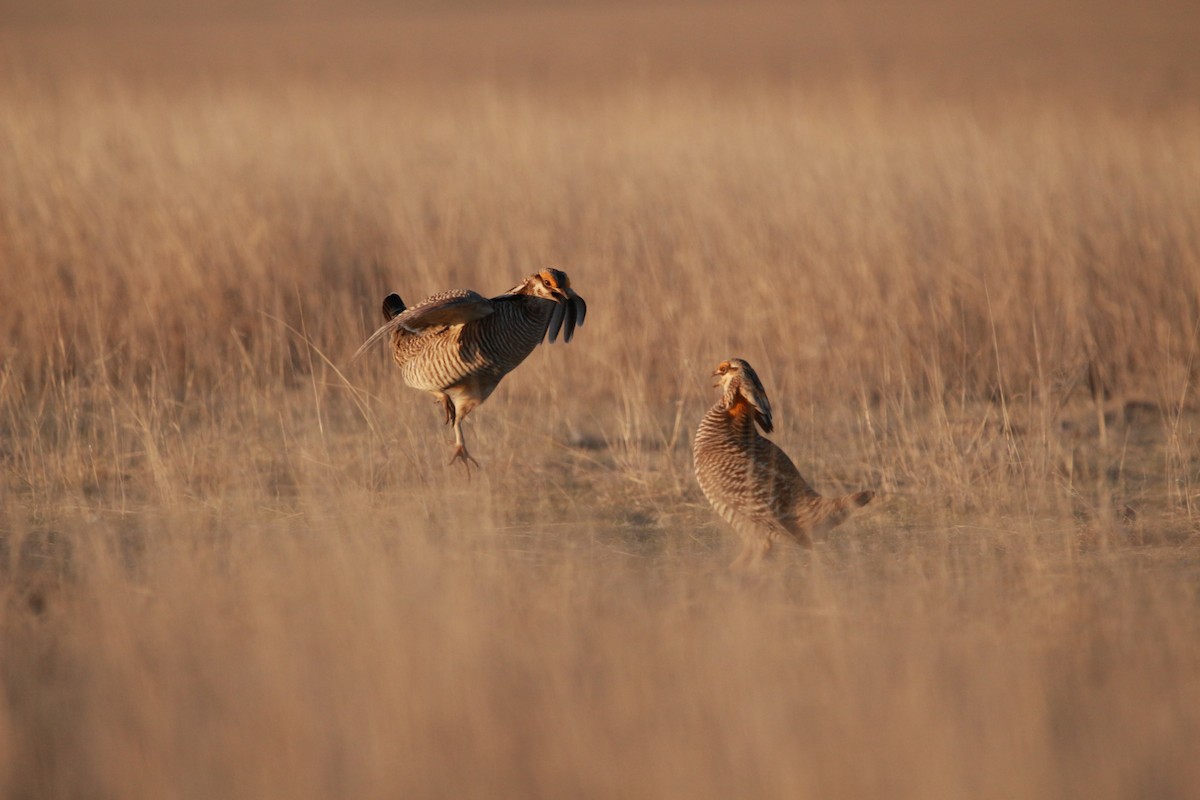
[
  {"x": 448, "y": 407},
  {"x": 460, "y": 449},
  {"x": 760, "y": 552},
  {"x": 461, "y": 454},
  {"x": 750, "y": 557},
  {"x": 739, "y": 563},
  {"x": 460, "y": 401}
]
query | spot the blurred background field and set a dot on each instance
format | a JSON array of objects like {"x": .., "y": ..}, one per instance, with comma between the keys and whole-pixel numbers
[{"x": 959, "y": 242}]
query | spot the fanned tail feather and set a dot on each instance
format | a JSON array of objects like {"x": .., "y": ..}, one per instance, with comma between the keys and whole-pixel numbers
[
  {"x": 860, "y": 499},
  {"x": 393, "y": 306}
]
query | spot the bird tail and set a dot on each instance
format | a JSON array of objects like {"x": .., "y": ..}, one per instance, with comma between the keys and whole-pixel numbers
[
  {"x": 860, "y": 499},
  {"x": 836, "y": 509},
  {"x": 393, "y": 307}
]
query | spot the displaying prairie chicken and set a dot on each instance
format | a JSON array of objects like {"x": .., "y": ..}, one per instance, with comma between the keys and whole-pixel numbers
[
  {"x": 750, "y": 482},
  {"x": 458, "y": 345}
]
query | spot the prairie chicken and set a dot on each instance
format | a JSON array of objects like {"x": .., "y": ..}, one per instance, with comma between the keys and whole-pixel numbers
[
  {"x": 750, "y": 482},
  {"x": 458, "y": 345}
]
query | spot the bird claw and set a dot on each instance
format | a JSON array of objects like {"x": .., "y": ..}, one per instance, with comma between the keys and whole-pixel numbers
[{"x": 461, "y": 454}]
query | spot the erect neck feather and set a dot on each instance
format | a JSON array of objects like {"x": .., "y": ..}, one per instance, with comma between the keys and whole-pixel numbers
[
  {"x": 733, "y": 397},
  {"x": 739, "y": 406}
]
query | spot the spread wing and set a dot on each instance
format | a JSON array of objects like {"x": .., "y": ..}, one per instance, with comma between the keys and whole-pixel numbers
[{"x": 455, "y": 307}]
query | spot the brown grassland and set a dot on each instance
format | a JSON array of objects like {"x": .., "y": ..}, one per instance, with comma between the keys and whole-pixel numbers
[{"x": 959, "y": 241}]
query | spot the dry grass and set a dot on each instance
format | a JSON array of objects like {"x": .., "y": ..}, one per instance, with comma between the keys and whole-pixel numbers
[{"x": 960, "y": 245}]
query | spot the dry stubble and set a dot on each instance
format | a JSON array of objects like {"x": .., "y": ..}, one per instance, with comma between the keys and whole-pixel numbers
[{"x": 961, "y": 246}]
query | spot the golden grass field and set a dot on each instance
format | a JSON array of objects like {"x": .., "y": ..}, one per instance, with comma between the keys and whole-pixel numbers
[{"x": 959, "y": 241}]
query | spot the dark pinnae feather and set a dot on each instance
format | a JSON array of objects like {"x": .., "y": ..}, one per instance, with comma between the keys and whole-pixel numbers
[
  {"x": 752, "y": 389},
  {"x": 580, "y": 310},
  {"x": 569, "y": 318},
  {"x": 556, "y": 321}
]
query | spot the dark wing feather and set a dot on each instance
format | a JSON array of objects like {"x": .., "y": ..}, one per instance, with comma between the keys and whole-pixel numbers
[{"x": 455, "y": 307}]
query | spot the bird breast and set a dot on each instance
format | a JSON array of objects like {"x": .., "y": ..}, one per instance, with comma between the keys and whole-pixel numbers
[{"x": 725, "y": 443}]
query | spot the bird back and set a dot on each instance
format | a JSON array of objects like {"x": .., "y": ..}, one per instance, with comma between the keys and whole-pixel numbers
[{"x": 489, "y": 347}]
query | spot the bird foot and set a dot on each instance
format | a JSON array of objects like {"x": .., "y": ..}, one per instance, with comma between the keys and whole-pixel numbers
[{"x": 461, "y": 454}]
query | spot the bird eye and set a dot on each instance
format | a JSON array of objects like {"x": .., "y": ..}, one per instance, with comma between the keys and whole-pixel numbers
[{"x": 547, "y": 282}]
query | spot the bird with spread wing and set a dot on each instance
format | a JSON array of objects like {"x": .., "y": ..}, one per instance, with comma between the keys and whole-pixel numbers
[{"x": 458, "y": 345}]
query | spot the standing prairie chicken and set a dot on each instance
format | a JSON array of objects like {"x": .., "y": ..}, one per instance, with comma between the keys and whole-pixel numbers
[
  {"x": 750, "y": 482},
  {"x": 458, "y": 345}
]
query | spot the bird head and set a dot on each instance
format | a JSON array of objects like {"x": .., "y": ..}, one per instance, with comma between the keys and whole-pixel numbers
[
  {"x": 741, "y": 388},
  {"x": 551, "y": 284}
]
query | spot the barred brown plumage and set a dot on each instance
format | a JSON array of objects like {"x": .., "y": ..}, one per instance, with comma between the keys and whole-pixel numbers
[
  {"x": 458, "y": 345},
  {"x": 749, "y": 481}
]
